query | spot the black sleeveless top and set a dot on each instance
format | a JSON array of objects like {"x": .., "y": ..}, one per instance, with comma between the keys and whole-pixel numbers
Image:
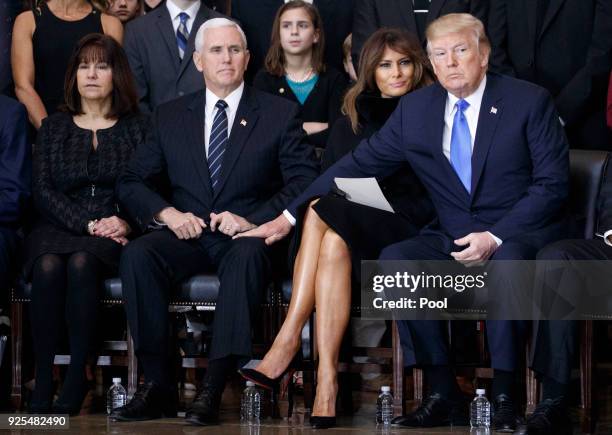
[{"x": 53, "y": 42}]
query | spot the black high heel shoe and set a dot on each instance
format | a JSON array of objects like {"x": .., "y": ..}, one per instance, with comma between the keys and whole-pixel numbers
[
  {"x": 260, "y": 379},
  {"x": 317, "y": 422}
]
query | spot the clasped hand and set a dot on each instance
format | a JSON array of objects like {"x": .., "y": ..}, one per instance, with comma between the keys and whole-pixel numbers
[
  {"x": 481, "y": 247},
  {"x": 113, "y": 228},
  {"x": 271, "y": 231},
  {"x": 188, "y": 226}
]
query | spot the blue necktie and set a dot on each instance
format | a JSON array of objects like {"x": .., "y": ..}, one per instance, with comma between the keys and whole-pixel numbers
[
  {"x": 217, "y": 143},
  {"x": 461, "y": 146},
  {"x": 182, "y": 35}
]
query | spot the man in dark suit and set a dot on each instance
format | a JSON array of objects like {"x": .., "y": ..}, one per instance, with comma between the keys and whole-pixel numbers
[
  {"x": 564, "y": 46},
  {"x": 235, "y": 158},
  {"x": 15, "y": 180},
  {"x": 412, "y": 15},
  {"x": 492, "y": 155},
  {"x": 159, "y": 47},
  {"x": 8, "y": 11},
  {"x": 256, "y": 17}
]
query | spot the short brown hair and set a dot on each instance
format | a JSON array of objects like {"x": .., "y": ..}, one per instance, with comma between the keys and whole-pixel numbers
[
  {"x": 371, "y": 55},
  {"x": 96, "y": 47},
  {"x": 275, "y": 59}
]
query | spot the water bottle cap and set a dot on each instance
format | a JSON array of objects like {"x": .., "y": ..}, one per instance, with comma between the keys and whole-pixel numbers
[
  {"x": 250, "y": 384},
  {"x": 385, "y": 389},
  {"x": 116, "y": 380},
  {"x": 480, "y": 391}
]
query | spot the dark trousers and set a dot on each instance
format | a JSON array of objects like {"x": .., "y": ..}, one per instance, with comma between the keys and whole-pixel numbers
[
  {"x": 424, "y": 342},
  {"x": 8, "y": 248},
  {"x": 157, "y": 262},
  {"x": 558, "y": 339}
]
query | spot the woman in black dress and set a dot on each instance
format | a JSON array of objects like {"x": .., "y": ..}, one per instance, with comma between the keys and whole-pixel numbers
[
  {"x": 337, "y": 234},
  {"x": 43, "y": 40},
  {"x": 294, "y": 69},
  {"x": 77, "y": 239}
]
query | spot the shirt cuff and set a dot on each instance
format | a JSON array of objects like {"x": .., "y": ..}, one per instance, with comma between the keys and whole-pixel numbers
[
  {"x": 497, "y": 239},
  {"x": 606, "y": 236},
  {"x": 156, "y": 225},
  {"x": 289, "y": 217}
]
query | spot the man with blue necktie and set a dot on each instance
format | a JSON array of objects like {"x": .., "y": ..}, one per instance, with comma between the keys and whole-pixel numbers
[
  {"x": 492, "y": 155},
  {"x": 235, "y": 158},
  {"x": 159, "y": 46}
]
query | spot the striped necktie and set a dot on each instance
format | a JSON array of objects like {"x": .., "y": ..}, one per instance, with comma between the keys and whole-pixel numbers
[
  {"x": 182, "y": 35},
  {"x": 217, "y": 143},
  {"x": 461, "y": 146}
]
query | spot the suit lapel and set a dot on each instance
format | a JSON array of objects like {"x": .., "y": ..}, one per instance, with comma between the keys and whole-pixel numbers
[
  {"x": 202, "y": 15},
  {"x": 194, "y": 136},
  {"x": 245, "y": 120},
  {"x": 164, "y": 24},
  {"x": 406, "y": 11},
  {"x": 553, "y": 8},
  {"x": 491, "y": 110},
  {"x": 438, "y": 108}
]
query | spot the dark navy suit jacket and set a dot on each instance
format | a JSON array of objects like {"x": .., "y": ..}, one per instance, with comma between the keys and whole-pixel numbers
[
  {"x": 15, "y": 161},
  {"x": 520, "y": 164},
  {"x": 267, "y": 162}
]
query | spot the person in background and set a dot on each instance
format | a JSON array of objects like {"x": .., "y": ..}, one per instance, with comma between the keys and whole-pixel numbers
[
  {"x": 126, "y": 10},
  {"x": 9, "y": 9},
  {"x": 411, "y": 15},
  {"x": 256, "y": 18},
  {"x": 80, "y": 230},
  {"x": 294, "y": 69},
  {"x": 43, "y": 41},
  {"x": 530, "y": 41},
  {"x": 332, "y": 233},
  {"x": 347, "y": 59},
  {"x": 160, "y": 46}
]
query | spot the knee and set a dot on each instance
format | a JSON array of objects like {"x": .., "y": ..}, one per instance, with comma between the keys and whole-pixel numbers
[
  {"x": 248, "y": 248},
  {"x": 555, "y": 251},
  {"x": 48, "y": 264},
  {"x": 80, "y": 262},
  {"x": 333, "y": 248},
  {"x": 391, "y": 252}
]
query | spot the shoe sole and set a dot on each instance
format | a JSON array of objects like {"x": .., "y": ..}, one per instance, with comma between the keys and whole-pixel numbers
[{"x": 194, "y": 421}]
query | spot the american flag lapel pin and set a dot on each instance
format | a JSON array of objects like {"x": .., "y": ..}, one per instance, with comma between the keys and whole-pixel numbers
[
  {"x": 494, "y": 110},
  {"x": 243, "y": 122}
]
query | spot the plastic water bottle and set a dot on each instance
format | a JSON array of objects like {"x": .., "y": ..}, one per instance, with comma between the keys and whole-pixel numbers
[
  {"x": 116, "y": 396},
  {"x": 480, "y": 411},
  {"x": 384, "y": 406},
  {"x": 250, "y": 404}
]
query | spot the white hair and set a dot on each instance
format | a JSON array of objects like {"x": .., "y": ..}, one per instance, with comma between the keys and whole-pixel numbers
[{"x": 214, "y": 23}]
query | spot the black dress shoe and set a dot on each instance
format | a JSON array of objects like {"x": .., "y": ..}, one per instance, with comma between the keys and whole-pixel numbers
[
  {"x": 551, "y": 417},
  {"x": 150, "y": 401},
  {"x": 204, "y": 409},
  {"x": 435, "y": 411},
  {"x": 504, "y": 416},
  {"x": 322, "y": 422}
]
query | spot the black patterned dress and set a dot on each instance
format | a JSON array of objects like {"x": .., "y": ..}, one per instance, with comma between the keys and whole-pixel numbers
[{"x": 73, "y": 184}]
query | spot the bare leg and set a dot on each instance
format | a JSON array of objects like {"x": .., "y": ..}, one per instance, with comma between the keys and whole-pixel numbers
[
  {"x": 333, "y": 305},
  {"x": 287, "y": 341}
]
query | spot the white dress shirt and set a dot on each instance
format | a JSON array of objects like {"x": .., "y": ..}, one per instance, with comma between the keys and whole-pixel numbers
[
  {"x": 175, "y": 11},
  {"x": 232, "y": 100}
]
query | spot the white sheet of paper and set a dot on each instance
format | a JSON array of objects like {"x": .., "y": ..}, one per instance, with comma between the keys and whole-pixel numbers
[{"x": 364, "y": 191}]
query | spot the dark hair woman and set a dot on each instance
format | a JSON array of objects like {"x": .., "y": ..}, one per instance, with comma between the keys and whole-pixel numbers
[
  {"x": 77, "y": 239},
  {"x": 337, "y": 234},
  {"x": 294, "y": 69},
  {"x": 43, "y": 40}
]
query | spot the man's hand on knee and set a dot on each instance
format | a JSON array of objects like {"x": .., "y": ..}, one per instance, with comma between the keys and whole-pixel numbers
[
  {"x": 184, "y": 225},
  {"x": 229, "y": 223},
  {"x": 272, "y": 231},
  {"x": 481, "y": 247}
]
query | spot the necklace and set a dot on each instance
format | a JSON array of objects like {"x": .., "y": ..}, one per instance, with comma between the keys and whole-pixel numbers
[{"x": 305, "y": 76}]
